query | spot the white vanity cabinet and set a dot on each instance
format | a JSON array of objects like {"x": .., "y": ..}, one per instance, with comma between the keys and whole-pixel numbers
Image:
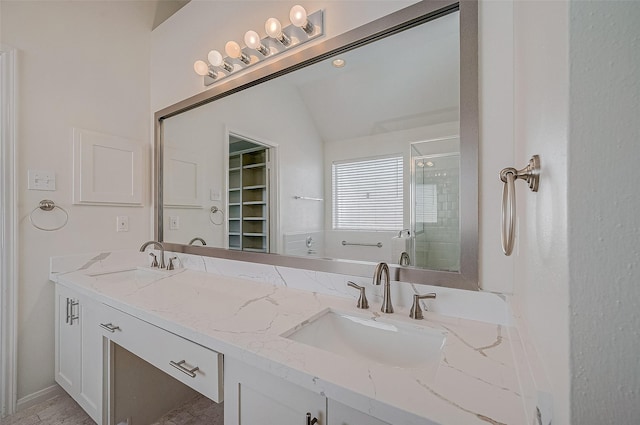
[
  {"x": 253, "y": 396},
  {"x": 78, "y": 350}
]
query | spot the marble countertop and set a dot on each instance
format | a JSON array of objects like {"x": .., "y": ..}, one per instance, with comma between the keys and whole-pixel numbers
[{"x": 476, "y": 381}]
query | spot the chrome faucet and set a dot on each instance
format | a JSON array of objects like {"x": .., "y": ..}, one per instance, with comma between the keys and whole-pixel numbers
[
  {"x": 404, "y": 259},
  {"x": 198, "y": 240},
  {"x": 383, "y": 269},
  {"x": 157, "y": 245}
]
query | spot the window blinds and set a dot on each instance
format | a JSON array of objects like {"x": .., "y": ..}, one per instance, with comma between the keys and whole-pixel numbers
[{"x": 368, "y": 194}]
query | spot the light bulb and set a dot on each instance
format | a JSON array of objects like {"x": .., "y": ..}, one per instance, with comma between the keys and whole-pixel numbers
[
  {"x": 274, "y": 30},
  {"x": 234, "y": 51},
  {"x": 298, "y": 17},
  {"x": 215, "y": 59},
  {"x": 201, "y": 68},
  {"x": 252, "y": 40}
]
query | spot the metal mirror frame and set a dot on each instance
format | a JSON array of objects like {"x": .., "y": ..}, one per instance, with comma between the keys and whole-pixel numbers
[{"x": 393, "y": 23}]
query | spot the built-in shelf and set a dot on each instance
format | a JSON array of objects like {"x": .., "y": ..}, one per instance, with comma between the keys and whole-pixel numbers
[
  {"x": 254, "y": 249},
  {"x": 248, "y": 199},
  {"x": 246, "y": 167}
]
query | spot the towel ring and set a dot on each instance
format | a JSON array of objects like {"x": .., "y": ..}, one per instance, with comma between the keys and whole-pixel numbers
[
  {"x": 214, "y": 210},
  {"x": 530, "y": 173},
  {"x": 48, "y": 205}
]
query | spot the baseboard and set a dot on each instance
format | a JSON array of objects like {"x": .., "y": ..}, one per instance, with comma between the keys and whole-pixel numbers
[{"x": 38, "y": 397}]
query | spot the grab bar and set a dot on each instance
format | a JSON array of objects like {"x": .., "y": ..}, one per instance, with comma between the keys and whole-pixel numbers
[
  {"x": 530, "y": 173},
  {"x": 307, "y": 198},
  {"x": 345, "y": 243}
]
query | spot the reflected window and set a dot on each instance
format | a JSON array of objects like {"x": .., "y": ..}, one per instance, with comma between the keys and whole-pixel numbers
[{"x": 367, "y": 194}]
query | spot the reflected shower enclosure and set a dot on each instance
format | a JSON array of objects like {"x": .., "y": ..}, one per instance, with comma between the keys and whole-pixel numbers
[{"x": 435, "y": 206}]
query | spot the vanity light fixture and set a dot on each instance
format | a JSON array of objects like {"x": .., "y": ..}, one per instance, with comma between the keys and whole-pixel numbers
[
  {"x": 252, "y": 40},
  {"x": 298, "y": 17},
  {"x": 216, "y": 59},
  {"x": 273, "y": 27},
  {"x": 202, "y": 68},
  {"x": 303, "y": 28},
  {"x": 234, "y": 51}
]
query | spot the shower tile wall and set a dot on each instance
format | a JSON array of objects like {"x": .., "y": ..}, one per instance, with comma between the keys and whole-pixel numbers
[{"x": 438, "y": 247}]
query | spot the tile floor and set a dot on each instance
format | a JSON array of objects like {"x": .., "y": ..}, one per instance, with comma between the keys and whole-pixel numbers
[{"x": 63, "y": 410}]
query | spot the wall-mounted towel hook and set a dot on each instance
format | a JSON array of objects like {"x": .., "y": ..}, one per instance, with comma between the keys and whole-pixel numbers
[{"x": 530, "y": 173}]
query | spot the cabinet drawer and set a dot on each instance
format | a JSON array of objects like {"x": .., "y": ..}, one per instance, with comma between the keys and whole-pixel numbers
[{"x": 188, "y": 362}]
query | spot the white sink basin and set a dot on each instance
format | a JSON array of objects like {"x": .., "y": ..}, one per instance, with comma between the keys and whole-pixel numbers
[{"x": 378, "y": 340}]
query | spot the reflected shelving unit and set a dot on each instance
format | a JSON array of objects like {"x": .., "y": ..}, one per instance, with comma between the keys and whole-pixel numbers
[{"x": 248, "y": 198}]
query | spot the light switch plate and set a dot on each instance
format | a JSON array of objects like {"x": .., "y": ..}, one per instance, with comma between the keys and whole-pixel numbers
[
  {"x": 41, "y": 180},
  {"x": 174, "y": 222}
]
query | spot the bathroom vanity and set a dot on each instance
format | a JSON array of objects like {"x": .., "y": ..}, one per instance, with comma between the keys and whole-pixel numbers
[{"x": 245, "y": 342}]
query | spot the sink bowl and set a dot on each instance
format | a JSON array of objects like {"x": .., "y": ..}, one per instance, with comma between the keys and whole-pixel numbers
[{"x": 370, "y": 339}]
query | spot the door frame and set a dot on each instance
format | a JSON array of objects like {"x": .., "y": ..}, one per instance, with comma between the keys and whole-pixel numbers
[
  {"x": 273, "y": 177},
  {"x": 8, "y": 233}
]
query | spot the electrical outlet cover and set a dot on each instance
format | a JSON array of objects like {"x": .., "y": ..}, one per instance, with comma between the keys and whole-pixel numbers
[{"x": 122, "y": 223}]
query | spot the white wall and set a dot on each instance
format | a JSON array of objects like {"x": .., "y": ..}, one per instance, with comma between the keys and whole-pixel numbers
[
  {"x": 80, "y": 64},
  {"x": 541, "y": 119},
  {"x": 603, "y": 205}
]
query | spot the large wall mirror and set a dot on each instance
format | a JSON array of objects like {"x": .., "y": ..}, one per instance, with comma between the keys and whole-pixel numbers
[{"x": 357, "y": 150}]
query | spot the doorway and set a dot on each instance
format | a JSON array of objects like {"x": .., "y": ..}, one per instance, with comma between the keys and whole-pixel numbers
[{"x": 251, "y": 194}]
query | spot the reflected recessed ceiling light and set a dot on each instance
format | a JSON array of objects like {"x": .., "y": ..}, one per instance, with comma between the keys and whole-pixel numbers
[
  {"x": 338, "y": 63},
  {"x": 430, "y": 164},
  {"x": 420, "y": 164}
]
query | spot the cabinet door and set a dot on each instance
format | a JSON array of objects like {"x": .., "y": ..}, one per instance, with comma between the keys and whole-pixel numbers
[
  {"x": 67, "y": 340},
  {"x": 78, "y": 351},
  {"x": 256, "y": 397},
  {"x": 339, "y": 414}
]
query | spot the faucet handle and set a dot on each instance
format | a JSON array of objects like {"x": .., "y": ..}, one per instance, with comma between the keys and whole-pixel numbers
[
  {"x": 170, "y": 266},
  {"x": 362, "y": 300},
  {"x": 416, "y": 311},
  {"x": 154, "y": 262}
]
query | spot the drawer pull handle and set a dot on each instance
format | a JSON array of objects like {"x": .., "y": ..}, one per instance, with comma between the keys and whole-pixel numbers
[
  {"x": 109, "y": 327},
  {"x": 183, "y": 369}
]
